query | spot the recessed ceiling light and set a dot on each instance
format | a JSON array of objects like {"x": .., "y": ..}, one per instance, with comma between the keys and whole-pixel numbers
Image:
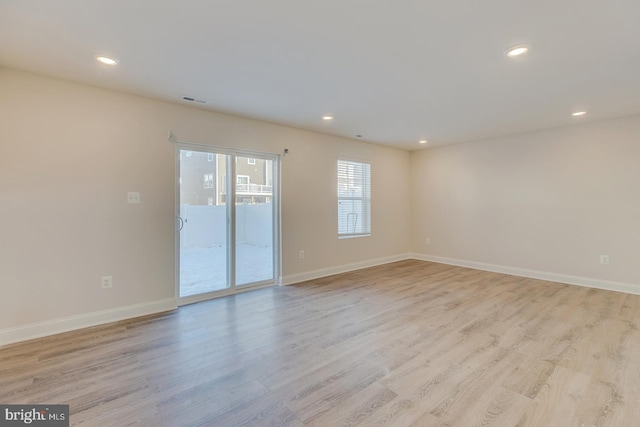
[
  {"x": 517, "y": 50},
  {"x": 424, "y": 141},
  {"x": 327, "y": 117},
  {"x": 579, "y": 113},
  {"x": 106, "y": 60}
]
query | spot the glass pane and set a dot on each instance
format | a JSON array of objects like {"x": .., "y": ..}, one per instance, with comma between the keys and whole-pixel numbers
[
  {"x": 254, "y": 220},
  {"x": 352, "y": 217},
  {"x": 203, "y": 238}
]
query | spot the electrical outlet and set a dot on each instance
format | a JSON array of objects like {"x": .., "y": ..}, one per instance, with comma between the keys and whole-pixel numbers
[
  {"x": 604, "y": 259},
  {"x": 301, "y": 254},
  {"x": 133, "y": 197},
  {"x": 427, "y": 241},
  {"x": 106, "y": 282}
]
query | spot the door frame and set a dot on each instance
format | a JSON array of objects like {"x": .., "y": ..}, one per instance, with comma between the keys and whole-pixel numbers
[{"x": 231, "y": 218}]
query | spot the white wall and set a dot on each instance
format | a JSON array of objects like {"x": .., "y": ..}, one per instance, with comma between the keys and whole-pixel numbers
[
  {"x": 69, "y": 155},
  {"x": 550, "y": 201}
]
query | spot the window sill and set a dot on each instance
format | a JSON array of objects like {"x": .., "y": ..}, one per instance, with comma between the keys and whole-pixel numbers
[{"x": 353, "y": 236}]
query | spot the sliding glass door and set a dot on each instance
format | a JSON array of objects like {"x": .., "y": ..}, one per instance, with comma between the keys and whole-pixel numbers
[
  {"x": 254, "y": 220},
  {"x": 228, "y": 218}
]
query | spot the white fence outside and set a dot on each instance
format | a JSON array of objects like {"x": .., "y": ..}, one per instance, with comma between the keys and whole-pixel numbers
[{"x": 206, "y": 226}]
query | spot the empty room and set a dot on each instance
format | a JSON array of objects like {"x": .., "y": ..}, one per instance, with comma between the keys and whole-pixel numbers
[{"x": 343, "y": 213}]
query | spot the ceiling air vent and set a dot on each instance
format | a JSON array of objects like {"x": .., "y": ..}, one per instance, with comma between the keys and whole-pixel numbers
[{"x": 197, "y": 101}]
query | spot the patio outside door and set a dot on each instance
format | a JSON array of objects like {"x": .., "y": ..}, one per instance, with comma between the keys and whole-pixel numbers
[{"x": 227, "y": 218}]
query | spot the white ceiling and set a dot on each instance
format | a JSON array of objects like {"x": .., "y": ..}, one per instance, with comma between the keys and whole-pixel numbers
[{"x": 393, "y": 71}]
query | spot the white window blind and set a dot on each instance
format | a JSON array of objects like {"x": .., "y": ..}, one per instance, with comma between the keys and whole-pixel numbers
[{"x": 354, "y": 198}]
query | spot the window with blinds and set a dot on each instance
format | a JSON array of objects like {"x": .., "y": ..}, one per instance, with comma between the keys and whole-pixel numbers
[{"x": 354, "y": 198}]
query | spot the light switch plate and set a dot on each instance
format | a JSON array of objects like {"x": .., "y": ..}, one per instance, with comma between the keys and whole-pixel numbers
[{"x": 133, "y": 197}]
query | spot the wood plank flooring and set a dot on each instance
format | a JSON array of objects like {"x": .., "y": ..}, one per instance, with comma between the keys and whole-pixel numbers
[{"x": 411, "y": 343}]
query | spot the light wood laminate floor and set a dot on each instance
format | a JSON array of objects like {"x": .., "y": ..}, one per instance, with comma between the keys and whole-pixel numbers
[{"x": 405, "y": 344}]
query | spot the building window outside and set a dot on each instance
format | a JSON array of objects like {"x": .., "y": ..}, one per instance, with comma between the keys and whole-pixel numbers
[
  {"x": 210, "y": 157},
  {"x": 208, "y": 180},
  {"x": 251, "y": 161},
  {"x": 354, "y": 199}
]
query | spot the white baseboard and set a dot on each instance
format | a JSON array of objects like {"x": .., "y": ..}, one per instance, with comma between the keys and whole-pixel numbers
[
  {"x": 628, "y": 288},
  {"x": 56, "y": 326},
  {"x": 66, "y": 324},
  {"x": 324, "y": 272}
]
